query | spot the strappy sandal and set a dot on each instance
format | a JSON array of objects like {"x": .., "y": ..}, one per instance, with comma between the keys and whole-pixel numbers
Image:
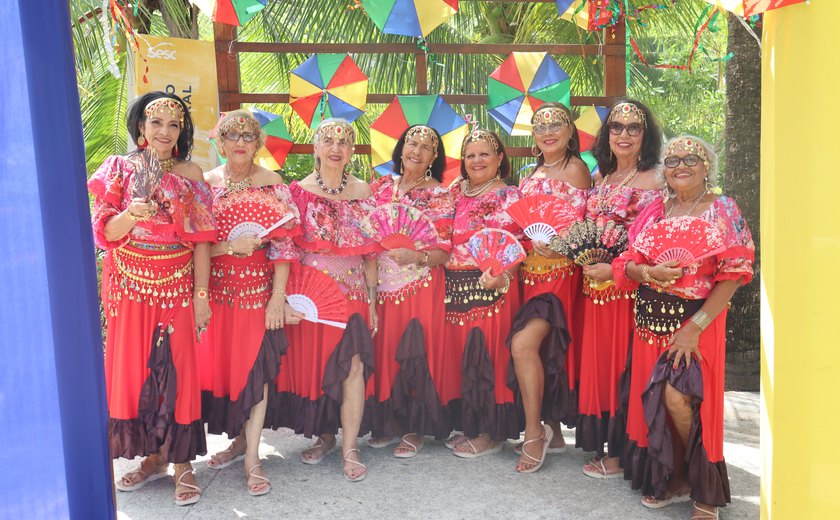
[
  {"x": 183, "y": 488},
  {"x": 145, "y": 472},
  {"x": 251, "y": 487},
  {"x": 547, "y": 437},
  {"x": 705, "y": 514},
  {"x": 409, "y": 451},
  {"x": 319, "y": 444},
  {"x": 454, "y": 440},
  {"x": 474, "y": 453},
  {"x": 230, "y": 451},
  {"x": 383, "y": 442},
  {"x": 680, "y": 495},
  {"x": 601, "y": 470},
  {"x": 345, "y": 460}
]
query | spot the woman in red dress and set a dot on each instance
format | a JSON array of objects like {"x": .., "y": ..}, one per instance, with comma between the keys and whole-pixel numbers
[
  {"x": 325, "y": 370},
  {"x": 543, "y": 341},
  {"x": 240, "y": 354},
  {"x": 409, "y": 347},
  {"x": 480, "y": 306},
  {"x": 151, "y": 213},
  {"x": 675, "y": 412},
  {"x": 627, "y": 149}
]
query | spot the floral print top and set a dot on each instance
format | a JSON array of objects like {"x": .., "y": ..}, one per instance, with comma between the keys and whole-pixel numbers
[
  {"x": 620, "y": 204},
  {"x": 544, "y": 186}
]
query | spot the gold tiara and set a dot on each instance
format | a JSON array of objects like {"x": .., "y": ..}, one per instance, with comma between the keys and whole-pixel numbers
[
  {"x": 691, "y": 145},
  {"x": 336, "y": 130},
  {"x": 240, "y": 122},
  {"x": 549, "y": 115},
  {"x": 480, "y": 135},
  {"x": 423, "y": 132},
  {"x": 164, "y": 104},
  {"x": 624, "y": 111}
]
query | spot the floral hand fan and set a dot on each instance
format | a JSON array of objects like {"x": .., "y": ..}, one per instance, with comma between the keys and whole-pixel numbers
[
  {"x": 588, "y": 242},
  {"x": 495, "y": 249},
  {"x": 686, "y": 240},
  {"x": 397, "y": 225},
  {"x": 317, "y": 296},
  {"x": 542, "y": 216}
]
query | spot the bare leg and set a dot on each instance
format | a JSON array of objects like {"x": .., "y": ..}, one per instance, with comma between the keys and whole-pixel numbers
[
  {"x": 525, "y": 350},
  {"x": 352, "y": 408},
  {"x": 253, "y": 428}
]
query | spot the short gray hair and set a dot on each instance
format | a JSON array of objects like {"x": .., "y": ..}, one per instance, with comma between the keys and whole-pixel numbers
[{"x": 711, "y": 171}]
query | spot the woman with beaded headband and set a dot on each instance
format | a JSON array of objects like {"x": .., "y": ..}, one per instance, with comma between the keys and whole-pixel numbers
[
  {"x": 152, "y": 214},
  {"x": 410, "y": 350},
  {"x": 627, "y": 148},
  {"x": 480, "y": 306},
  {"x": 240, "y": 354},
  {"x": 543, "y": 329},
  {"x": 325, "y": 370},
  {"x": 675, "y": 412}
]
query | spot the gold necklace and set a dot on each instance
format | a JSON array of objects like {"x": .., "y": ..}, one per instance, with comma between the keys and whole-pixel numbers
[
  {"x": 604, "y": 202},
  {"x": 693, "y": 207},
  {"x": 166, "y": 165},
  {"x": 469, "y": 191},
  {"x": 396, "y": 196},
  {"x": 235, "y": 187}
]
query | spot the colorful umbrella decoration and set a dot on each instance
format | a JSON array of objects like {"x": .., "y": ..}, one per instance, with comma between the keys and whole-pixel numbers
[
  {"x": 574, "y": 11},
  {"x": 409, "y": 17},
  {"x": 405, "y": 111},
  {"x": 278, "y": 141},
  {"x": 523, "y": 82},
  {"x": 231, "y": 12},
  {"x": 588, "y": 125},
  {"x": 747, "y": 8},
  {"x": 328, "y": 85}
]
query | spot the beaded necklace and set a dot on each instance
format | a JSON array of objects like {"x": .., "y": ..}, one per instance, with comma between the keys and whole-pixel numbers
[{"x": 331, "y": 191}]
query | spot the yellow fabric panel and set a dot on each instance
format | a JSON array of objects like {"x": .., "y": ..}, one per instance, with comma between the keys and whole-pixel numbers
[
  {"x": 528, "y": 63},
  {"x": 299, "y": 87},
  {"x": 354, "y": 94},
  {"x": 431, "y": 13},
  {"x": 381, "y": 146}
]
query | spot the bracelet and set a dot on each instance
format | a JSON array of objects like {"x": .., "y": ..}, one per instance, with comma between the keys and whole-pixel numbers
[
  {"x": 646, "y": 274},
  {"x": 133, "y": 217},
  {"x": 701, "y": 319},
  {"x": 202, "y": 293},
  {"x": 425, "y": 260},
  {"x": 230, "y": 248},
  {"x": 507, "y": 276}
]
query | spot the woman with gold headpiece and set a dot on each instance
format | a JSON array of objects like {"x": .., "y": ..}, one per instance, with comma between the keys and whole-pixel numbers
[
  {"x": 323, "y": 376},
  {"x": 544, "y": 327},
  {"x": 480, "y": 306},
  {"x": 410, "y": 347},
  {"x": 675, "y": 412},
  {"x": 152, "y": 214},
  {"x": 627, "y": 149},
  {"x": 240, "y": 354}
]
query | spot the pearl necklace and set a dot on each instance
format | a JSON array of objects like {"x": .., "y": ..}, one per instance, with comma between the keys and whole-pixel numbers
[
  {"x": 555, "y": 163},
  {"x": 331, "y": 191},
  {"x": 693, "y": 207},
  {"x": 469, "y": 191}
]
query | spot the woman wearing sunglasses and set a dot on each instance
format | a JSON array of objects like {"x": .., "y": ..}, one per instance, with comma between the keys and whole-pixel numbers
[
  {"x": 679, "y": 345},
  {"x": 627, "y": 149}
]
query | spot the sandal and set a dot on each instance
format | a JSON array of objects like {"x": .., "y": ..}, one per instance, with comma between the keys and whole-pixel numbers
[
  {"x": 145, "y": 472},
  {"x": 517, "y": 448},
  {"x": 600, "y": 470},
  {"x": 409, "y": 450},
  {"x": 681, "y": 495},
  {"x": 475, "y": 453},
  {"x": 319, "y": 445},
  {"x": 454, "y": 440},
  {"x": 705, "y": 514},
  {"x": 185, "y": 488},
  {"x": 383, "y": 442},
  {"x": 218, "y": 462},
  {"x": 345, "y": 460},
  {"x": 253, "y": 489},
  {"x": 547, "y": 437}
]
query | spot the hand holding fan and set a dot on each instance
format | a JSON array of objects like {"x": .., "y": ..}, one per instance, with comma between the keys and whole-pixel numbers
[
  {"x": 543, "y": 216},
  {"x": 686, "y": 240},
  {"x": 266, "y": 223},
  {"x": 495, "y": 249},
  {"x": 148, "y": 174},
  {"x": 397, "y": 225},
  {"x": 317, "y": 296},
  {"x": 587, "y": 242}
]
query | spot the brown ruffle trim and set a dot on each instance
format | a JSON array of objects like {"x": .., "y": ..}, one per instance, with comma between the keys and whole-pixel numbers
[
  {"x": 129, "y": 439},
  {"x": 225, "y": 416},
  {"x": 709, "y": 481},
  {"x": 593, "y": 431},
  {"x": 559, "y": 403},
  {"x": 637, "y": 467},
  {"x": 321, "y": 416},
  {"x": 479, "y": 411},
  {"x": 414, "y": 405}
]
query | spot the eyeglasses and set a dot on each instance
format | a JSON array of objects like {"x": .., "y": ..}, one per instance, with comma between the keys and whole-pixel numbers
[
  {"x": 673, "y": 161},
  {"x": 633, "y": 129},
  {"x": 553, "y": 127},
  {"x": 235, "y": 136}
]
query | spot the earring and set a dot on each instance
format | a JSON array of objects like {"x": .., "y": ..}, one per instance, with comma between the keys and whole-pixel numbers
[
  {"x": 537, "y": 153},
  {"x": 141, "y": 141},
  {"x": 429, "y": 173},
  {"x": 708, "y": 183},
  {"x": 499, "y": 173},
  {"x": 175, "y": 150},
  {"x": 666, "y": 194}
]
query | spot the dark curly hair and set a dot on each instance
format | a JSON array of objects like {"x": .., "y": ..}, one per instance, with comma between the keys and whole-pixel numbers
[
  {"x": 438, "y": 165},
  {"x": 137, "y": 116},
  {"x": 504, "y": 168},
  {"x": 651, "y": 142},
  {"x": 573, "y": 148}
]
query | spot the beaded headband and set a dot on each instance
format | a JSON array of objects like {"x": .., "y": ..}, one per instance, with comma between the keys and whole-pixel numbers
[
  {"x": 164, "y": 104},
  {"x": 690, "y": 145},
  {"x": 240, "y": 123},
  {"x": 624, "y": 111},
  {"x": 549, "y": 115},
  {"x": 422, "y": 132},
  {"x": 480, "y": 135},
  {"x": 336, "y": 130}
]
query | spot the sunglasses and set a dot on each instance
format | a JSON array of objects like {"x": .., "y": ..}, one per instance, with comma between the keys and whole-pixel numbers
[
  {"x": 543, "y": 129},
  {"x": 235, "y": 136},
  {"x": 673, "y": 161},
  {"x": 633, "y": 129}
]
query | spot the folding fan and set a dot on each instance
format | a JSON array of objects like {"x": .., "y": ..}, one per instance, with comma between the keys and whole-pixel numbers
[
  {"x": 588, "y": 242},
  {"x": 397, "y": 225},
  {"x": 495, "y": 249},
  {"x": 317, "y": 296},
  {"x": 542, "y": 216},
  {"x": 684, "y": 239},
  {"x": 261, "y": 223},
  {"x": 147, "y": 175}
]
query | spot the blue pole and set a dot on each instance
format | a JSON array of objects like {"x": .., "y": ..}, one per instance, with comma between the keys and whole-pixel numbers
[{"x": 53, "y": 418}]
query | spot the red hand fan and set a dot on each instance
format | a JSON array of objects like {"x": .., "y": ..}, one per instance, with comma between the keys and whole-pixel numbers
[
  {"x": 317, "y": 296},
  {"x": 543, "y": 216},
  {"x": 686, "y": 240},
  {"x": 397, "y": 225},
  {"x": 254, "y": 220},
  {"x": 495, "y": 249}
]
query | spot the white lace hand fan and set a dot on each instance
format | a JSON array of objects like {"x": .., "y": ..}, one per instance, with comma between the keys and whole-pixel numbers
[{"x": 541, "y": 217}]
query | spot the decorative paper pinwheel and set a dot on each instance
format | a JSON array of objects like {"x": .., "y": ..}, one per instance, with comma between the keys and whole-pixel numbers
[
  {"x": 409, "y": 17},
  {"x": 278, "y": 141},
  {"x": 328, "y": 85},
  {"x": 747, "y": 8},
  {"x": 405, "y": 111},
  {"x": 523, "y": 82},
  {"x": 231, "y": 12}
]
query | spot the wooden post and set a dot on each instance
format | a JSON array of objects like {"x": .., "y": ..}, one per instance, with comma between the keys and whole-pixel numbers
[
  {"x": 615, "y": 61},
  {"x": 421, "y": 67},
  {"x": 227, "y": 66}
]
